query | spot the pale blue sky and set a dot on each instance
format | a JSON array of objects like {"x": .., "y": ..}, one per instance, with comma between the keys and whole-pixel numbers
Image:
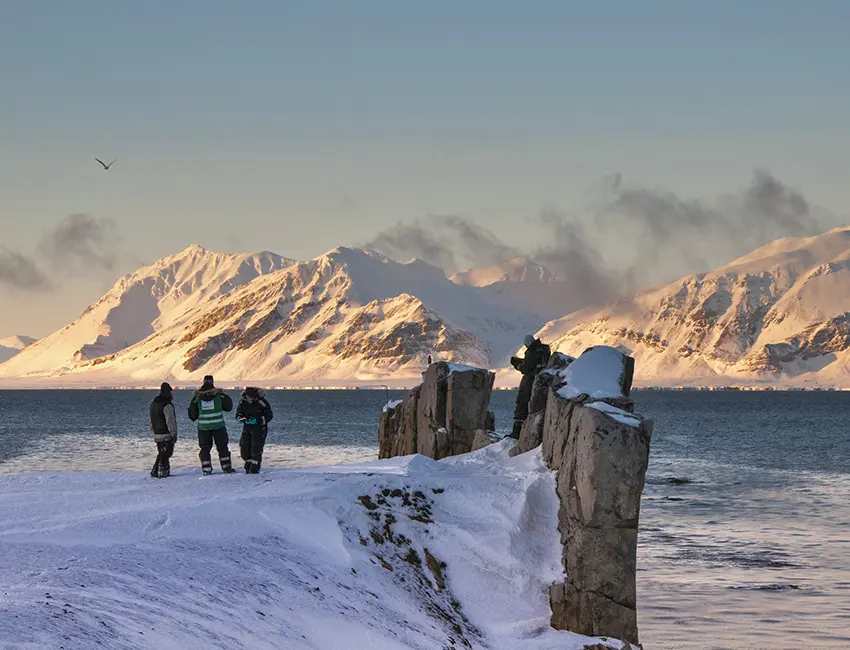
[{"x": 300, "y": 126}]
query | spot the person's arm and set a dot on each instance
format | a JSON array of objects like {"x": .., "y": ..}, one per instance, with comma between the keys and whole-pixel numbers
[
  {"x": 171, "y": 420},
  {"x": 226, "y": 402},
  {"x": 529, "y": 364},
  {"x": 267, "y": 411},
  {"x": 240, "y": 414},
  {"x": 193, "y": 408}
]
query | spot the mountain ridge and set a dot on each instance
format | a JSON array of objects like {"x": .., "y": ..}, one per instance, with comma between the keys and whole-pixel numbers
[{"x": 778, "y": 316}]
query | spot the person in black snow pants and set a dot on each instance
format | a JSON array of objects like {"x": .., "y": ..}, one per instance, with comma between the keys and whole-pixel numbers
[
  {"x": 207, "y": 408},
  {"x": 255, "y": 414},
  {"x": 164, "y": 430}
]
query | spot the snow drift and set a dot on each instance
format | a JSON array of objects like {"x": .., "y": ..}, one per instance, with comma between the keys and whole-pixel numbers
[{"x": 402, "y": 553}]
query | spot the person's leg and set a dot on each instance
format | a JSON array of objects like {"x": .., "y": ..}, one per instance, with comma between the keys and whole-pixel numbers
[
  {"x": 155, "y": 468},
  {"x": 220, "y": 437},
  {"x": 522, "y": 398},
  {"x": 258, "y": 442},
  {"x": 205, "y": 441},
  {"x": 166, "y": 450},
  {"x": 245, "y": 449}
]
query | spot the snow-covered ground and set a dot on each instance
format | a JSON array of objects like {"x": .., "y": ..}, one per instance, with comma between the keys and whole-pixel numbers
[{"x": 402, "y": 553}]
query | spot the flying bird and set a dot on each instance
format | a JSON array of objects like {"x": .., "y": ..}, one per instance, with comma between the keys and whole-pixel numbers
[{"x": 105, "y": 166}]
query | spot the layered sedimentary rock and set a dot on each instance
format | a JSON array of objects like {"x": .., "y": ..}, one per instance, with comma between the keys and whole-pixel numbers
[{"x": 441, "y": 416}]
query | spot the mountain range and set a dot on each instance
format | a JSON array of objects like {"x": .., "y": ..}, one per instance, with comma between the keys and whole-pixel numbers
[{"x": 778, "y": 316}]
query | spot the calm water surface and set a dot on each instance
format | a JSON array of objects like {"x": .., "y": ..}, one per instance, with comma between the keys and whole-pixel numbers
[{"x": 745, "y": 521}]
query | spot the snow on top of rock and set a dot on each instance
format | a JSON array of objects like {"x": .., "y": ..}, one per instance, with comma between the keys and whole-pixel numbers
[
  {"x": 597, "y": 373},
  {"x": 618, "y": 414},
  {"x": 389, "y": 406}
]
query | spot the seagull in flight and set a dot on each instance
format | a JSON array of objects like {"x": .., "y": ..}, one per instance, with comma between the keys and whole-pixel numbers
[{"x": 105, "y": 166}]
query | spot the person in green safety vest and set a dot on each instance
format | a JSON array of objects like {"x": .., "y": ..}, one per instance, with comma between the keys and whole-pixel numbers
[{"x": 207, "y": 408}]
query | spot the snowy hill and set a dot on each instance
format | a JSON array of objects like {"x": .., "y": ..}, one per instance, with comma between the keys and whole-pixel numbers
[
  {"x": 141, "y": 303},
  {"x": 347, "y": 316},
  {"x": 407, "y": 553},
  {"x": 12, "y": 345},
  {"x": 780, "y": 314}
]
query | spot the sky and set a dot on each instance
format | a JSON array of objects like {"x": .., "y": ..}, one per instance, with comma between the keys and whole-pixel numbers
[{"x": 301, "y": 126}]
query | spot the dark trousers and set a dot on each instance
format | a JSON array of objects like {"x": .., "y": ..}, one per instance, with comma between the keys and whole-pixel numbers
[
  {"x": 205, "y": 441},
  {"x": 523, "y": 397},
  {"x": 162, "y": 464},
  {"x": 251, "y": 447}
]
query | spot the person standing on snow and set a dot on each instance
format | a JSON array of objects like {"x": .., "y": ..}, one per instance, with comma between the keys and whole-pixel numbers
[
  {"x": 536, "y": 357},
  {"x": 255, "y": 413},
  {"x": 207, "y": 408},
  {"x": 164, "y": 430}
]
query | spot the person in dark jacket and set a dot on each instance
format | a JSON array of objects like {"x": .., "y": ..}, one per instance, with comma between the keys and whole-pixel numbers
[
  {"x": 164, "y": 430},
  {"x": 255, "y": 414},
  {"x": 536, "y": 357},
  {"x": 207, "y": 408}
]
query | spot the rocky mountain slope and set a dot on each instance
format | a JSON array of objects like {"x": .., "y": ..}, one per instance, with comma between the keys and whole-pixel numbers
[
  {"x": 153, "y": 298},
  {"x": 780, "y": 314},
  {"x": 12, "y": 345},
  {"x": 347, "y": 316}
]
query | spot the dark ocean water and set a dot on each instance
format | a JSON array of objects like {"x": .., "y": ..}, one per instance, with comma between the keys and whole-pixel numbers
[{"x": 745, "y": 521}]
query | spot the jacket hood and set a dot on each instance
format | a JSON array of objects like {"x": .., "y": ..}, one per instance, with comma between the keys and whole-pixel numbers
[
  {"x": 252, "y": 394},
  {"x": 208, "y": 392},
  {"x": 163, "y": 397}
]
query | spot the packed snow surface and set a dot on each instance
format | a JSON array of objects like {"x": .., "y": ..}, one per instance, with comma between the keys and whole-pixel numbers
[
  {"x": 332, "y": 557},
  {"x": 597, "y": 373}
]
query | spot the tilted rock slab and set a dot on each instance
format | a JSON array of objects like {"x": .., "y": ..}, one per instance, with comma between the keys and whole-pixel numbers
[
  {"x": 441, "y": 416},
  {"x": 601, "y": 460}
]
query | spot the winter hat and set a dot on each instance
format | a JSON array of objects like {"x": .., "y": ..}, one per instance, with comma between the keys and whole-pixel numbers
[
  {"x": 528, "y": 340},
  {"x": 165, "y": 387},
  {"x": 208, "y": 379}
]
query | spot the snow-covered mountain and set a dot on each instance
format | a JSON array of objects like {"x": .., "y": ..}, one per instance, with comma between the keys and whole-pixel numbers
[
  {"x": 523, "y": 283},
  {"x": 347, "y": 316},
  {"x": 780, "y": 314},
  {"x": 12, "y": 345},
  {"x": 151, "y": 299}
]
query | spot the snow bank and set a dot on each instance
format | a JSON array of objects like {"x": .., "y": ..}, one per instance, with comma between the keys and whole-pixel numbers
[{"x": 402, "y": 553}]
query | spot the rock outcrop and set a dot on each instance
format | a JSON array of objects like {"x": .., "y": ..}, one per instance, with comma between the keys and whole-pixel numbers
[
  {"x": 581, "y": 414},
  {"x": 600, "y": 451},
  {"x": 440, "y": 417}
]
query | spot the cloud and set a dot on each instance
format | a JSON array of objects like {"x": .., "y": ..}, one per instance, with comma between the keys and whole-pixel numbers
[
  {"x": 80, "y": 243},
  {"x": 629, "y": 238},
  {"x": 451, "y": 242},
  {"x": 20, "y": 272},
  {"x": 77, "y": 245}
]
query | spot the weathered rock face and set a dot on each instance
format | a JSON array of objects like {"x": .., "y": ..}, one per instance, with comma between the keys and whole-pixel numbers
[
  {"x": 441, "y": 416},
  {"x": 600, "y": 452}
]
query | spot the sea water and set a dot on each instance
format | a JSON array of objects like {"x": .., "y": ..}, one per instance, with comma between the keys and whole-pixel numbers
[{"x": 745, "y": 519}]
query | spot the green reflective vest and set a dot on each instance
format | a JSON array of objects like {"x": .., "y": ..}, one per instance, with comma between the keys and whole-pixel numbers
[{"x": 210, "y": 414}]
